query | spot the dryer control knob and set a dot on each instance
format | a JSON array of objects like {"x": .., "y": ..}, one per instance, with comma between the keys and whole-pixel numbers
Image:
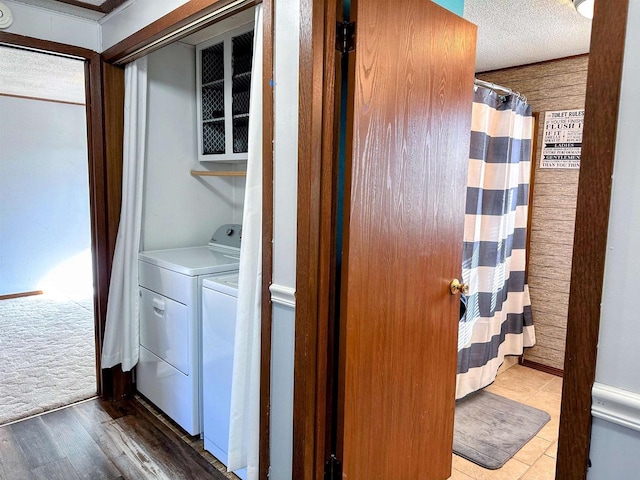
[{"x": 229, "y": 232}]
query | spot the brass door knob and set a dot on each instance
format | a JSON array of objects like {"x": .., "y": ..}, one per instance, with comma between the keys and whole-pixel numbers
[{"x": 457, "y": 287}]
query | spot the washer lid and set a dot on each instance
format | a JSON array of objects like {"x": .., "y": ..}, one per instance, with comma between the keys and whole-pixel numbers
[
  {"x": 225, "y": 283},
  {"x": 193, "y": 261}
]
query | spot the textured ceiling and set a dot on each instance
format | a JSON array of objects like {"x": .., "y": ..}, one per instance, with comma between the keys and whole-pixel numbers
[
  {"x": 510, "y": 32},
  {"x": 517, "y": 32}
]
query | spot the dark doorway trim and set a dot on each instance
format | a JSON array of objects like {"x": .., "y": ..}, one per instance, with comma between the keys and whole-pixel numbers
[
  {"x": 99, "y": 206},
  {"x": 21, "y": 294},
  {"x": 267, "y": 235},
  {"x": 88, "y": 6},
  {"x": 589, "y": 248},
  {"x": 170, "y": 23},
  {"x": 110, "y": 5},
  {"x": 46, "y": 46},
  {"x": 317, "y": 173},
  {"x": 107, "y": 6},
  {"x": 110, "y": 116},
  {"x": 39, "y": 99}
]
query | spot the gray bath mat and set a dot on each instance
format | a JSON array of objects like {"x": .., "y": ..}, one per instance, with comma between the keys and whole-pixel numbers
[{"x": 490, "y": 429}]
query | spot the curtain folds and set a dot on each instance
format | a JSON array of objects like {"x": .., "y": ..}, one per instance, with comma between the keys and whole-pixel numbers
[
  {"x": 497, "y": 317},
  {"x": 244, "y": 425},
  {"x": 121, "y": 336}
]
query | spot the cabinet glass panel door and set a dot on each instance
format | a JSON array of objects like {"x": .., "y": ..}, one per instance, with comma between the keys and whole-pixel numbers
[
  {"x": 213, "y": 122},
  {"x": 223, "y": 70},
  {"x": 242, "y": 55}
]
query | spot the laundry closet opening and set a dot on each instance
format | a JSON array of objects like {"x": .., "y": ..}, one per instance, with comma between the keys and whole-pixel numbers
[
  {"x": 47, "y": 334},
  {"x": 192, "y": 118}
]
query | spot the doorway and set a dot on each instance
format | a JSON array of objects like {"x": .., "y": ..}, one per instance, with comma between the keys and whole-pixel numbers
[
  {"x": 315, "y": 331},
  {"x": 46, "y": 289},
  {"x": 537, "y": 381}
]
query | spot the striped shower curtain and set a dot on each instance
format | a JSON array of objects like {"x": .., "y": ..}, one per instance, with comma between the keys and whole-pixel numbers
[{"x": 496, "y": 315}]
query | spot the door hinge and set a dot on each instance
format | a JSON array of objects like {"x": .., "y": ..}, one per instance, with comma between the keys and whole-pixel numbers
[
  {"x": 333, "y": 469},
  {"x": 345, "y": 36}
]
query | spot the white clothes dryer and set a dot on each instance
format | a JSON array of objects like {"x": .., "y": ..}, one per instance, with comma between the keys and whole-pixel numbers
[{"x": 169, "y": 370}]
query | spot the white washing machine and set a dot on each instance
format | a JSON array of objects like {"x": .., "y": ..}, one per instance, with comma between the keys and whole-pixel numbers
[
  {"x": 169, "y": 370},
  {"x": 219, "y": 308}
]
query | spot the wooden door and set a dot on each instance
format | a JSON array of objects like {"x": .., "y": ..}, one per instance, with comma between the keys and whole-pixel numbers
[{"x": 411, "y": 87}]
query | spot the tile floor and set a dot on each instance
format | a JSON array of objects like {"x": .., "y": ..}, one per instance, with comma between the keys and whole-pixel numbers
[{"x": 537, "y": 459}]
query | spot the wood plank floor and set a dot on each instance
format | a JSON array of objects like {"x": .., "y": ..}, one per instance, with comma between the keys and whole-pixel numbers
[{"x": 100, "y": 440}]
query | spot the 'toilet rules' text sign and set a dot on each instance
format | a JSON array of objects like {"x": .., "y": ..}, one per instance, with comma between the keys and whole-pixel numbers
[{"x": 562, "y": 139}]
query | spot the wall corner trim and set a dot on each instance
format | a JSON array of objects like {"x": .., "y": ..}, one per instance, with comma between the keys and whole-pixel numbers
[
  {"x": 616, "y": 405},
  {"x": 283, "y": 295}
]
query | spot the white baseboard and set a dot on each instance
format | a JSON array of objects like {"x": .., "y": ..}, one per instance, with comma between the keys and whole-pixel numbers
[{"x": 616, "y": 405}]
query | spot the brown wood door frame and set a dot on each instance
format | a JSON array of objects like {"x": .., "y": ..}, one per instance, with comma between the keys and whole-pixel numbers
[
  {"x": 315, "y": 231},
  {"x": 594, "y": 192},
  {"x": 129, "y": 48},
  {"x": 591, "y": 229},
  {"x": 97, "y": 168},
  {"x": 107, "y": 6}
]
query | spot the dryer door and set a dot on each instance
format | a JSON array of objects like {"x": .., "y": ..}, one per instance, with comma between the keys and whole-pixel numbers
[{"x": 164, "y": 329}]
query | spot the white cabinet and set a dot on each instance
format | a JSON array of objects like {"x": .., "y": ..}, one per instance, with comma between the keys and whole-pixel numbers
[{"x": 223, "y": 75}]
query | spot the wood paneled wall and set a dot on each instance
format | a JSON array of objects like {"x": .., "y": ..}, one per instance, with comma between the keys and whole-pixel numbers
[{"x": 554, "y": 85}]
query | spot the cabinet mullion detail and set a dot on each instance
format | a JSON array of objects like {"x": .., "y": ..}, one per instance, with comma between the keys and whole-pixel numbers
[{"x": 224, "y": 83}]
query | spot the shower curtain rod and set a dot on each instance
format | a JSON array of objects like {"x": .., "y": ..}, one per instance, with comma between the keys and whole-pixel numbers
[{"x": 498, "y": 89}]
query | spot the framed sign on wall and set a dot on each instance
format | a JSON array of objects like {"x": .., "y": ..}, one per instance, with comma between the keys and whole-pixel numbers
[{"x": 562, "y": 139}]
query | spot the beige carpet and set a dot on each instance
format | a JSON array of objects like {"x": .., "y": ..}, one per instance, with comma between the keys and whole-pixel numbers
[{"x": 47, "y": 354}]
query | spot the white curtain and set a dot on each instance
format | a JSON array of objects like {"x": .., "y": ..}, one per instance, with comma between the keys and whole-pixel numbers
[
  {"x": 121, "y": 330},
  {"x": 245, "y": 391}
]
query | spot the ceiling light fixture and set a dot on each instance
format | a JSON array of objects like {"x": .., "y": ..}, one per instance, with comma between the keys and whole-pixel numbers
[
  {"x": 584, "y": 7},
  {"x": 6, "y": 19}
]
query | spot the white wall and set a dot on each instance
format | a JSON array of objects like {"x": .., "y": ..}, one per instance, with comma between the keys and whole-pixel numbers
[
  {"x": 614, "y": 452},
  {"x": 286, "y": 67},
  {"x": 282, "y": 353},
  {"x": 614, "y": 449},
  {"x": 132, "y": 17},
  {"x": 46, "y": 24},
  {"x": 44, "y": 192},
  {"x": 38, "y": 22},
  {"x": 180, "y": 210}
]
